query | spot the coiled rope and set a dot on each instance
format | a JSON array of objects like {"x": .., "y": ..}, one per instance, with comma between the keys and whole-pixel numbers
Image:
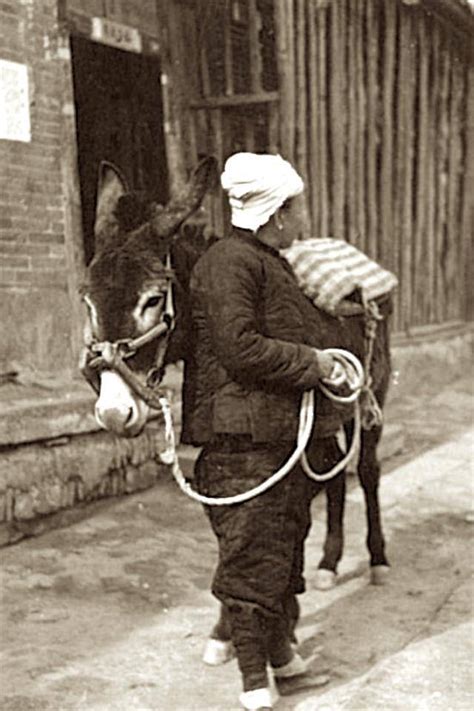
[{"x": 351, "y": 375}]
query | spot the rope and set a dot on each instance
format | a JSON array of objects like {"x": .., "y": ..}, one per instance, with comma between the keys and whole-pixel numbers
[
  {"x": 344, "y": 461},
  {"x": 354, "y": 379},
  {"x": 372, "y": 415},
  {"x": 305, "y": 427}
]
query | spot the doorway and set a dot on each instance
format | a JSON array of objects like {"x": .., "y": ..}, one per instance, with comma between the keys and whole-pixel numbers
[{"x": 119, "y": 118}]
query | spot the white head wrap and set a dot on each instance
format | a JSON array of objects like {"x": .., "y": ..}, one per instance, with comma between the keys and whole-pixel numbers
[{"x": 257, "y": 185}]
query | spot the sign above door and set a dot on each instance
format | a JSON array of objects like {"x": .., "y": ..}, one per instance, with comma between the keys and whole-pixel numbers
[
  {"x": 116, "y": 34},
  {"x": 130, "y": 25}
]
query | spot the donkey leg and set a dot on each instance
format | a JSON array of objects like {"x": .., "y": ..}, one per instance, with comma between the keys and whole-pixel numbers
[
  {"x": 323, "y": 454},
  {"x": 335, "y": 491},
  {"x": 219, "y": 648},
  {"x": 369, "y": 474}
]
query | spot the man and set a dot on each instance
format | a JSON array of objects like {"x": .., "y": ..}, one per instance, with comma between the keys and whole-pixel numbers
[{"x": 258, "y": 346}]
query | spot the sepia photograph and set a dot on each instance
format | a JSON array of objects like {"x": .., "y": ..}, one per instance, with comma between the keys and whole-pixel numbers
[{"x": 236, "y": 355}]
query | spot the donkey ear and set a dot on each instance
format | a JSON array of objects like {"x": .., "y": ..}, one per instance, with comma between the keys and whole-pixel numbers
[
  {"x": 111, "y": 186},
  {"x": 170, "y": 218}
]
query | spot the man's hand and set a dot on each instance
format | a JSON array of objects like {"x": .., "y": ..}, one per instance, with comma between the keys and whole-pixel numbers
[
  {"x": 326, "y": 363},
  {"x": 331, "y": 370}
]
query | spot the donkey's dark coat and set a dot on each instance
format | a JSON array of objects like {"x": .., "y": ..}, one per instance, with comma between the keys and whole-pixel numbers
[{"x": 133, "y": 238}]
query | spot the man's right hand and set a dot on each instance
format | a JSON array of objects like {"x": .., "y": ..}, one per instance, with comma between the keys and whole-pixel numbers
[{"x": 326, "y": 363}]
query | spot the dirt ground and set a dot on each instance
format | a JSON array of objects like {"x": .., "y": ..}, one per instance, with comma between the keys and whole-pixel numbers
[{"x": 112, "y": 612}]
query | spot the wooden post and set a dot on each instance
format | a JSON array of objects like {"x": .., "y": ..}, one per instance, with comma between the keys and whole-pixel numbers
[
  {"x": 399, "y": 165},
  {"x": 337, "y": 119},
  {"x": 273, "y": 140},
  {"x": 351, "y": 172},
  {"x": 216, "y": 121},
  {"x": 300, "y": 93},
  {"x": 467, "y": 210},
  {"x": 255, "y": 56},
  {"x": 205, "y": 78},
  {"x": 313, "y": 114},
  {"x": 301, "y": 137},
  {"x": 454, "y": 265},
  {"x": 322, "y": 162},
  {"x": 285, "y": 59},
  {"x": 344, "y": 118},
  {"x": 74, "y": 242},
  {"x": 372, "y": 129},
  {"x": 405, "y": 162},
  {"x": 229, "y": 77},
  {"x": 387, "y": 154},
  {"x": 173, "y": 88},
  {"x": 420, "y": 312},
  {"x": 432, "y": 162},
  {"x": 442, "y": 177},
  {"x": 361, "y": 172}
]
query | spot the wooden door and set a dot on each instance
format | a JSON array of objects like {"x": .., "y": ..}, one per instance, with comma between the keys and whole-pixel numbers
[{"x": 119, "y": 118}]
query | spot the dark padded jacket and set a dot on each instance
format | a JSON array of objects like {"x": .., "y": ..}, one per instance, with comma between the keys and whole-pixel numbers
[{"x": 253, "y": 337}]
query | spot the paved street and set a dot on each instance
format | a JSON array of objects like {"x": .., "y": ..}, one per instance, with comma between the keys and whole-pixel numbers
[{"x": 111, "y": 613}]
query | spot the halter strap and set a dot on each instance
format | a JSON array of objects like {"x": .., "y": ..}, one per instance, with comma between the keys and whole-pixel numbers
[{"x": 112, "y": 355}]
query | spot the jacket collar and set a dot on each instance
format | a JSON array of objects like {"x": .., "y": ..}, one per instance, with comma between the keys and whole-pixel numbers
[{"x": 249, "y": 237}]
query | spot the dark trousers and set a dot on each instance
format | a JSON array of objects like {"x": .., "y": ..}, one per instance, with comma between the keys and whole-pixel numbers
[{"x": 261, "y": 552}]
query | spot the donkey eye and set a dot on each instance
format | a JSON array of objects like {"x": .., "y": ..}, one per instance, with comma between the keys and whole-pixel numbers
[{"x": 152, "y": 302}]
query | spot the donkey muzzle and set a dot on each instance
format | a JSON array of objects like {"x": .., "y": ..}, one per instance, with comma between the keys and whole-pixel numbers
[{"x": 117, "y": 410}]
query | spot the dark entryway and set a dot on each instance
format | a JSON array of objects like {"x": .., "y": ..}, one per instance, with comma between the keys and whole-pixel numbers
[{"x": 119, "y": 117}]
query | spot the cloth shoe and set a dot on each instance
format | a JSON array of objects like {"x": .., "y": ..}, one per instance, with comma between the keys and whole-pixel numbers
[
  {"x": 296, "y": 675},
  {"x": 217, "y": 652},
  {"x": 294, "y": 667},
  {"x": 259, "y": 699}
]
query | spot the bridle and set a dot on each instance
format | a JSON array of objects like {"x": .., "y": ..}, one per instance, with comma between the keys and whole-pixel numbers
[{"x": 112, "y": 355}]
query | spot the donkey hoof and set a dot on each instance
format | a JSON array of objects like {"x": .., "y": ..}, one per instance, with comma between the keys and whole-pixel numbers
[
  {"x": 217, "y": 652},
  {"x": 324, "y": 579},
  {"x": 379, "y": 574}
]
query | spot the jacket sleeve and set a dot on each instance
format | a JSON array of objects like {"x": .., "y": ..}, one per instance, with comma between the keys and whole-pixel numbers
[{"x": 228, "y": 291}]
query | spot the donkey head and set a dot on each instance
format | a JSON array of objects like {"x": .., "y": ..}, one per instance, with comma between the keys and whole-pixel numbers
[{"x": 127, "y": 291}]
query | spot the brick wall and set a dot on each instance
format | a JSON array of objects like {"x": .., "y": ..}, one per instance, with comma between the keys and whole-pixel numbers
[{"x": 35, "y": 308}]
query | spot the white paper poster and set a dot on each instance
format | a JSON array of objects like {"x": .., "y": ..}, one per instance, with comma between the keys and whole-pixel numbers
[{"x": 14, "y": 102}]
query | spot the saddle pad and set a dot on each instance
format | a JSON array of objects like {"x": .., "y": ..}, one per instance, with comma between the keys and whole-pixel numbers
[{"x": 328, "y": 270}]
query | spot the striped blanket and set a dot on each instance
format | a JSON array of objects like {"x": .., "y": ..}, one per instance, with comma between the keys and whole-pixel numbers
[{"x": 329, "y": 270}]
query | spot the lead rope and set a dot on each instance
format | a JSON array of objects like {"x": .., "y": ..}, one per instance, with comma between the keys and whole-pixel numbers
[
  {"x": 356, "y": 385},
  {"x": 355, "y": 381},
  {"x": 372, "y": 415}
]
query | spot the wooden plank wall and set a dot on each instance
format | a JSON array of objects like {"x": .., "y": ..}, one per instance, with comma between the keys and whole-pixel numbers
[
  {"x": 378, "y": 119},
  {"x": 229, "y": 106}
]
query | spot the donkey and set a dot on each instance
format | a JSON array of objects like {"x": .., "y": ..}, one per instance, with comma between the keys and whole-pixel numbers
[{"x": 129, "y": 335}]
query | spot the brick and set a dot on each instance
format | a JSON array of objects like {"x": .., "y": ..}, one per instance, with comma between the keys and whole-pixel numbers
[
  {"x": 12, "y": 54},
  {"x": 14, "y": 262},
  {"x": 46, "y": 237},
  {"x": 23, "y": 223},
  {"x": 8, "y": 276},
  {"x": 48, "y": 278},
  {"x": 24, "y": 248},
  {"x": 10, "y": 8},
  {"x": 9, "y": 248},
  {"x": 49, "y": 140},
  {"x": 31, "y": 198},
  {"x": 57, "y": 226},
  {"x": 31, "y": 171},
  {"x": 10, "y": 24},
  {"x": 48, "y": 263},
  {"x": 56, "y": 250},
  {"x": 44, "y": 161},
  {"x": 48, "y": 113}
]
